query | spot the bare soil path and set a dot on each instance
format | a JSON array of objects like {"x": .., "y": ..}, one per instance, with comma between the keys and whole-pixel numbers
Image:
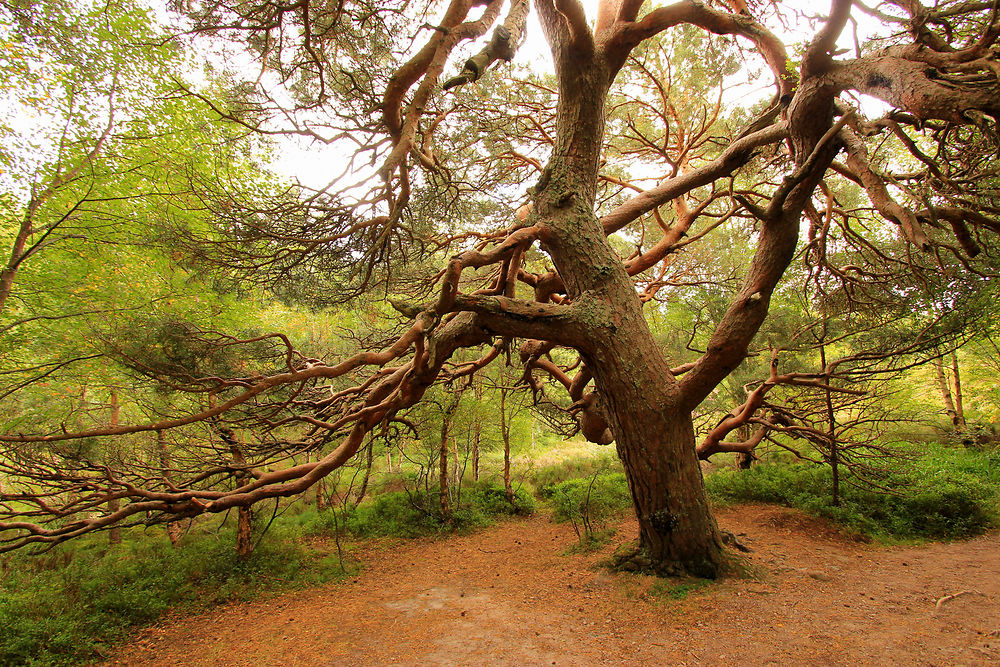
[{"x": 511, "y": 596}]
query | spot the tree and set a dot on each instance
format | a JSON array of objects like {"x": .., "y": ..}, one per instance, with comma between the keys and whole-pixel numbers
[{"x": 561, "y": 274}]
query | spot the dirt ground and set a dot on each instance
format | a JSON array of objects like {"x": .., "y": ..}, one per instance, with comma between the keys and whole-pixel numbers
[{"x": 511, "y": 595}]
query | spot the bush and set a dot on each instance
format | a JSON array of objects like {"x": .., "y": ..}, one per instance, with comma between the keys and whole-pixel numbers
[
  {"x": 67, "y": 606},
  {"x": 491, "y": 499},
  {"x": 941, "y": 494},
  {"x": 590, "y": 503},
  {"x": 418, "y": 513}
]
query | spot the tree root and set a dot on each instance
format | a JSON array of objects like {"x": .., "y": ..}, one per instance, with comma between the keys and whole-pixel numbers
[{"x": 630, "y": 557}]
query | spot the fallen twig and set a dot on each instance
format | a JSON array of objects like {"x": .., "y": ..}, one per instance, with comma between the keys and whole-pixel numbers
[{"x": 949, "y": 598}]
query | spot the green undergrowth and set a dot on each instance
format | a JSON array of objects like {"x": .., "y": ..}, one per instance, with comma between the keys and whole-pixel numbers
[
  {"x": 418, "y": 513},
  {"x": 69, "y": 605},
  {"x": 589, "y": 504},
  {"x": 544, "y": 478},
  {"x": 936, "y": 492}
]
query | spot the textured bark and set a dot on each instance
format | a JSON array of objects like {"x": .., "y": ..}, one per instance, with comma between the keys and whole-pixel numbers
[
  {"x": 831, "y": 418},
  {"x": 244, "y": 532},
  {"x": 443, "y": 488},
  {"x": 654, "y": 433},
  {"x": 959, "y": 405}
]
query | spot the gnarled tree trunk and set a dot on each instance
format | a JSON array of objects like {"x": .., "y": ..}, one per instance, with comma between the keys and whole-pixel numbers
[{"x": 651, "y": 423}]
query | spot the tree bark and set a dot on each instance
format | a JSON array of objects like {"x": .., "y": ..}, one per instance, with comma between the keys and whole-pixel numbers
[
  {"x": 174, "y": 529},
  {"x": 443, "y": 490},
  {"x": 648, "y": 415},
  {"x": 476, "y": 435},
  {"x": 832, "y": 428},
  {"x": 369, "y": 461}
]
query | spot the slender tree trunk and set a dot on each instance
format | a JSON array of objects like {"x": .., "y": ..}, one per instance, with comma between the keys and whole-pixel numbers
[
  {"x": 505, "y": 433},
  {"x": 831, "y": 430},
  {"x": 477, "y": 432},
  {"x": 446, "y": 416},
  {"x": 959, "y": 407},
  {"x": 949, "y": 404},
  {"x": 244, "y": 517},
  {"x": 443, "y": 468},
  {"x": 244, "y": 532},
  {"x": 321, "y": 494},
  {"x": 476, "y": 435},
  {"x": 369, "y": 461},
  {"x": 114, "y": 504},
  {"x": 174, "y": 529}
]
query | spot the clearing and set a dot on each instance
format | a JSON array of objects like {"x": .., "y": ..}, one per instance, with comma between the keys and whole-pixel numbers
[{"x": 510, "y": 595}]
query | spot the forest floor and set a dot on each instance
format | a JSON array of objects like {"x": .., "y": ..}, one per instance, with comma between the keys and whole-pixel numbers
[{"x": 513, "y": 595}]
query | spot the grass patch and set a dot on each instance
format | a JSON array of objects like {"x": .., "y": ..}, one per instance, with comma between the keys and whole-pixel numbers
[
  {"x": 939, "y": 493},
  {"x": 591, "y": 542},
  {"x": 676, "y": 590}
]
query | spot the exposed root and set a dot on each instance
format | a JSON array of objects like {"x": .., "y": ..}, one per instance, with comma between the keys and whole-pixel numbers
[{"x": 630, "y": 557}]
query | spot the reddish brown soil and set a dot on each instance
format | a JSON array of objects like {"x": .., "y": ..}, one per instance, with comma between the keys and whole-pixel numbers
[{"x": 511, "y": 595}]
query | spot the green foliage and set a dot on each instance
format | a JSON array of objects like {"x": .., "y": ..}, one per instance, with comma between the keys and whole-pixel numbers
[
  {"x": 491, "y": 498},
  {"x": 418, "y": 513},
  {"x": 546, "y": 478},
  {"x": 410, "y": 514},
  {"x": 66, "y": 606},
  {"x": 942, "y": 494},
  {"x": 590, "y": 503}
]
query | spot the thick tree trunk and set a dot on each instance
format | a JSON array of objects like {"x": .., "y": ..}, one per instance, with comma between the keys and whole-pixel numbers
[{"x": 649, "y": 416}]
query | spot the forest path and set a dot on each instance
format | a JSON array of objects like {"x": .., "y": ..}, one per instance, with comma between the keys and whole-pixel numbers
[{"x": 510, "y": 595}]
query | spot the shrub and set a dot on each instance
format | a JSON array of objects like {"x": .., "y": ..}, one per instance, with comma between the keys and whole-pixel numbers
[
  {"x": 940, "y": 494},
  {"x": 491, "y": 499},
  {"x": 590, "y": 503},
  {"x": 418, "y": 513}
]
